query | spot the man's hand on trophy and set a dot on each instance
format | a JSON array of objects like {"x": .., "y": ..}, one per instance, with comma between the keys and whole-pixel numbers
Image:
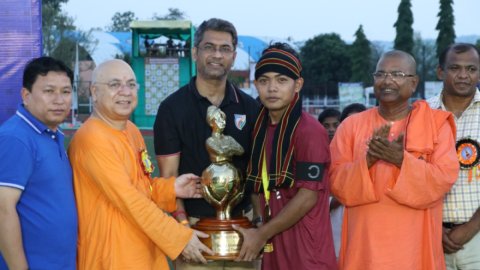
[
  {"x": 188, "y": 186},
  {"x": 194, "y": 248},
  {"x": 253, "y": 243}
]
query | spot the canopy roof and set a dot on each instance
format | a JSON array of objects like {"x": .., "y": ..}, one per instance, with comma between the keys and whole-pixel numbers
[{"x": 161, "y": 26}]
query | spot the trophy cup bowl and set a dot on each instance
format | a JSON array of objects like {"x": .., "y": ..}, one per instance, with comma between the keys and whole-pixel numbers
[{"x": 223, "y": 188}]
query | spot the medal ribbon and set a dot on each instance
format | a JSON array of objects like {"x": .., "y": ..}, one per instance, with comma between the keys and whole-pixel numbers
[
  {"x": 267, "y": 212},
  {"x": 265, "y": 182}
]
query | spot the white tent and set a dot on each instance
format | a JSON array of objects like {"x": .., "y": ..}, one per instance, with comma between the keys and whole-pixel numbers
[{"x": 106, "y": 48}]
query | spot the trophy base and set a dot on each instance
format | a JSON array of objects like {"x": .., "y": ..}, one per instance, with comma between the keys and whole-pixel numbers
[{"x": 224, "y": 241}]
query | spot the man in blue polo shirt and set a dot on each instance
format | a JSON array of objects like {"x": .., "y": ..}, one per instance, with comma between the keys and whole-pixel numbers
[{"x": 38, "y": 218}]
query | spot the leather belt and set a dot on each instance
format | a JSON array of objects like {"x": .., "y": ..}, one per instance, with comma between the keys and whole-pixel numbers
[{"x": 450, "y": 225}]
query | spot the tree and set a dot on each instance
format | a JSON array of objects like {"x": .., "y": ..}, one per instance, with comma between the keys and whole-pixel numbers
[
  {"x": 55, "y": 4},
  {"x": 360, "y": 54},
  {"x": 121, "y": 21},
  {"x": 55, "y": 24},
  {"x": 377, "y": 50},
  {"x": 125, "y": 57},
  {"x": 173, "y": 14},
  {"x": 424, "y": 53},
  {"x": 66, "y": 47},
  {"x": 60, "y": 35},
  {"x": 403, "y": 25},
  {"x": 446, "y": 21},
  {"x": 326, "y": 62}
]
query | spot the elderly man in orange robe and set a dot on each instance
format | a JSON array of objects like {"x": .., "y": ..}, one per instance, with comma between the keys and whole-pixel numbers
[
  {"x": 391, "y": 167},
  {"x": 122, "y": 224}
]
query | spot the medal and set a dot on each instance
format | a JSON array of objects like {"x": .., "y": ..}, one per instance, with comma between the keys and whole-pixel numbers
[
  {"x": 268, "y": 247},
  {"x": 147, "y": 165},
  {"x": 467, "y": 154}
]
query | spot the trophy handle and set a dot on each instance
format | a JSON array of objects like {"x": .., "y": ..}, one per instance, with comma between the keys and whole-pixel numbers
[
  {"x": 227, "y": 196},
  {"x": 211, "y": 198},
  {"x": 207, "y": 195},
  {"x": 239, "y": 191},
  {"x": 235, "y": 200}
]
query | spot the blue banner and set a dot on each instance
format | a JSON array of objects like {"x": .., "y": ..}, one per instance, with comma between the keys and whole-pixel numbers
[{"x": 20, "y": 41}]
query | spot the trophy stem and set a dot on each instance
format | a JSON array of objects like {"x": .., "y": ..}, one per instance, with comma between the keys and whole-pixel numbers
[{"x": 223, "y": 215}]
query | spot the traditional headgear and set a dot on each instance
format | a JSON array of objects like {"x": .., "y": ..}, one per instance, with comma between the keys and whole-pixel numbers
[
  {"x": 280, "y": 171},
  {"x": 280, "y": 61}
]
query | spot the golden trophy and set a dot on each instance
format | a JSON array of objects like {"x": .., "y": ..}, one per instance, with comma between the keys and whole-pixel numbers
[{"x": 222, "y": 187}]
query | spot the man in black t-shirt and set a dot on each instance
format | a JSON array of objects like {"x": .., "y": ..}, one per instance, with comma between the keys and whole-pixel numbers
[{"x": 181, "y": 128}]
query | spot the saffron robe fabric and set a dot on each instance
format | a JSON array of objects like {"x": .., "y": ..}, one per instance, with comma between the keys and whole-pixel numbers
[
  {"x": 393, "y": 216},
  {"x": 122, "y": 224}
]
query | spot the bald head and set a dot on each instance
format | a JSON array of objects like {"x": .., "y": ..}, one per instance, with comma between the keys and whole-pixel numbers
[
  {"x": 104, "y": 69},
  {"x": 407, "y": 61},
  {"x": 395, "y": 80},
  {"x": 114, "y": 92}
]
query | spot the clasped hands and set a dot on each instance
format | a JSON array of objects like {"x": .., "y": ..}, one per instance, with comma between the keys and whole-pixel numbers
[{"x": 380, "y": 148}]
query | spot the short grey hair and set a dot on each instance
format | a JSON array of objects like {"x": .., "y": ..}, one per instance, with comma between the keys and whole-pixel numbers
[{"x": 215, "y": 24}]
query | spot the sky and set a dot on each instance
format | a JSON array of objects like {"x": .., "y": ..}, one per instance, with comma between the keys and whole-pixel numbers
[{"x": 299, "y": 19}]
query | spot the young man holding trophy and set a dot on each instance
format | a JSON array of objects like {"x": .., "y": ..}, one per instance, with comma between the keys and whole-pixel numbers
[{"x": 287, "y": 173}]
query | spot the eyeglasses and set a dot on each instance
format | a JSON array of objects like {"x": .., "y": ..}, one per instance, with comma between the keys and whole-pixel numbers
[
  {"x": 211, "y": 49},
  {"x": 396, "y": 75},
  {"x": 117, "y": 85}
]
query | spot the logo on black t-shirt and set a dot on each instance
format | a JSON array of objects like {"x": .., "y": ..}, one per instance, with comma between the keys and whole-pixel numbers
[{"x": 240, "y": 121}]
